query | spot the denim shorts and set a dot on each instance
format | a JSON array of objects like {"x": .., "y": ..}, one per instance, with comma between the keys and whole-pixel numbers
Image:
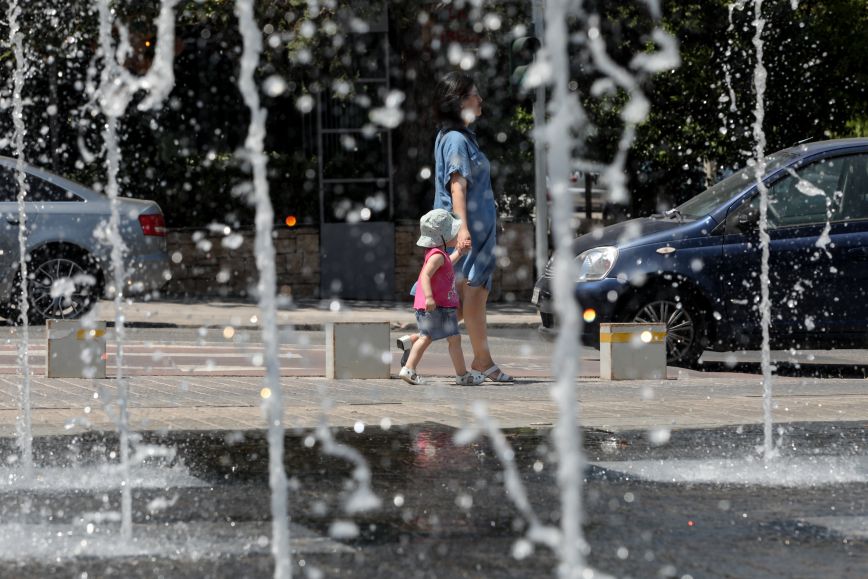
[{"x": 439, "y": 324}]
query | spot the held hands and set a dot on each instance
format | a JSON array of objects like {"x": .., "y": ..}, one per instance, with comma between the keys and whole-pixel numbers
[
  {"x": 464, "y": 244},
  {"x": 430, "y": 305}
]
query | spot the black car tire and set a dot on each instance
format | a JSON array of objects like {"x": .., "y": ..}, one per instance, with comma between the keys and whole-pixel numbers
[
  {"x": 686, "y": 327},
  {"x": 44, "y": 269}
]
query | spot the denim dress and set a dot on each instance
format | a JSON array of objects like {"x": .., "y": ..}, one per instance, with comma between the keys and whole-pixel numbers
[{"x": 458, "y": 152}]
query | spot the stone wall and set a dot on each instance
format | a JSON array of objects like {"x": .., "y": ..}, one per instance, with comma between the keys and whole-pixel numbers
[
  {"x": 208, "y": 263},
  {"x": 213, "y": 264}
]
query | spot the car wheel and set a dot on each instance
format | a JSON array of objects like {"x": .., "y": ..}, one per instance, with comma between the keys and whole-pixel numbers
[
  {"x": 60, "y": 286},
  {"x": 685, "y": 326}
]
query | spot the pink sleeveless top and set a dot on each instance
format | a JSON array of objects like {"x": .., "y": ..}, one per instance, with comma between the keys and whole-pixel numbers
[{"x": 442, "y": 284}]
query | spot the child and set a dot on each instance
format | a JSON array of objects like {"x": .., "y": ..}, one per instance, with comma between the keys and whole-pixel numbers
[{"x": 437, "y": 300}]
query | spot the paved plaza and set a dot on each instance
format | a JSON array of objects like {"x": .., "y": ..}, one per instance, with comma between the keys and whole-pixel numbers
[
  {"x": 233, "y": 403},
  {"x": 230, "y": 399},
  {"x": 196, "y": 386}
]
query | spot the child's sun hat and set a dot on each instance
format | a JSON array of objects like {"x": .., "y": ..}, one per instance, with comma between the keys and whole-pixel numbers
[{"x": 438, "y": 227}]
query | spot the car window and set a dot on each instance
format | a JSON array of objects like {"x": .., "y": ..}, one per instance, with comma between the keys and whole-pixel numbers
[
  {"x": 724, "y": 190},
  {"x": 744, "y": 218},
  {"x": 40, "y": 190},
  {"x": 854, "y": 184},
  {"x": 812, "y": 194}
]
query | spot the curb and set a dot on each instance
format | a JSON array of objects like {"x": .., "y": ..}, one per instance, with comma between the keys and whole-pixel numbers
[{"x": 305, "y": 326}]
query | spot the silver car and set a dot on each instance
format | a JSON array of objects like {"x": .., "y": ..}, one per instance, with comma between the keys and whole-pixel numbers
[{"x": 67, "y": 242}]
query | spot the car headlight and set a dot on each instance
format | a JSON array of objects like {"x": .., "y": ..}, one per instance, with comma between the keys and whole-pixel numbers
[{"x": 596, "y": 263}]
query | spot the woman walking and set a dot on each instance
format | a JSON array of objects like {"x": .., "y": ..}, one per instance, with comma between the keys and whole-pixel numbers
[{"x": 463, "y": 187}]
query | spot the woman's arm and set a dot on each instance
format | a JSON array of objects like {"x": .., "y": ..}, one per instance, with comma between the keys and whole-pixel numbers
[
  {"x": 428, "y": 270},
  {"x": 458, "y": 191}
]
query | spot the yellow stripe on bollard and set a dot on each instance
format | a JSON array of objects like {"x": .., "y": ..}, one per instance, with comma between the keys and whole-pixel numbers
[
  {"x": 625, "y": 337},
  {"x": 89, "y": 334}
]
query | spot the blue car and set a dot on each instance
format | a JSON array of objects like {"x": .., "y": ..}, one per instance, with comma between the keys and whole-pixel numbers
[{"x": 697, "y": 267}]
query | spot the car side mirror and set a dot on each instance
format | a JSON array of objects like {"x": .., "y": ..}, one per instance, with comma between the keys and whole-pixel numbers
[{"x": 745, "y": 222}]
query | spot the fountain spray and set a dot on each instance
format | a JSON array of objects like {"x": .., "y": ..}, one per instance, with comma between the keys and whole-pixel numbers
[
  {"x": 759, "y": 80},
  {"x": 116, "y": 90},
  {"x": 24, "y": 422},
  {"x": 565, "y": 112},
  {"x": 567, "y": 119},
  {"x": 271, "y": 392}
]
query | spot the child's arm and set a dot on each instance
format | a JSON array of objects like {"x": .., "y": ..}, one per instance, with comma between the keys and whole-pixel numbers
[
  {"x": 428, "y": 270},
  {"x": 457, "y": 254}
]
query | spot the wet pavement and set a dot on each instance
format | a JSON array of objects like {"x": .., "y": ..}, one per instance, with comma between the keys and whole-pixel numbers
[{"x": 445, "y": 511}]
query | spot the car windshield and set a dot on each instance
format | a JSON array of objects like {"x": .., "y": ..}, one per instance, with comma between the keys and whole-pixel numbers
[{"x": 726, "y": 189}]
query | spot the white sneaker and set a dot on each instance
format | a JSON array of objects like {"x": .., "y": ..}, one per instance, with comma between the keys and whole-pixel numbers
[
  {"x": 410, "y": 376},
  {"x": 405, "y": 344}
]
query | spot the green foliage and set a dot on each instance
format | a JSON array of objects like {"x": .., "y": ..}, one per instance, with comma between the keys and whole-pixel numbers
[
  {"x": 816, "y": 88},
  {"x": 816, "y": 78},
  {"x": 185, "y": 155},
  {"x": 856, "y": 127}
]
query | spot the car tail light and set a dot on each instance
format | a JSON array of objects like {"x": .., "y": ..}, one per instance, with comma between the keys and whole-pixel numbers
[{"x": 153, "y": 224}]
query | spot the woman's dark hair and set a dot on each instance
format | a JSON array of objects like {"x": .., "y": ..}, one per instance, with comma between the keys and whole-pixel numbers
[{"x": 452, "y": 89}]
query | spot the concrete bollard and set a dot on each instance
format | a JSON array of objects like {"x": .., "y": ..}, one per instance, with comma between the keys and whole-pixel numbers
[
  {"x": 74, "y": 351},
  {"x": 633, "y": 351},
  {"x": 358, "y": 350}
]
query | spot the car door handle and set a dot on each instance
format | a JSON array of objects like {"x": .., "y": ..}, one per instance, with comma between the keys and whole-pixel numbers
[
  {"x": 858, "y": 253},
  {"x": 12, "y": 221}
]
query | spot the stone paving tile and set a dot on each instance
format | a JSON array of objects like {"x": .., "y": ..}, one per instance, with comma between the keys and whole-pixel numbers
[
  {"x": 234, "y": 402},
  {"x": 224, "y": 396},
  {"x": 150, "y": 388},
  {"x": 44, "y": 422}
]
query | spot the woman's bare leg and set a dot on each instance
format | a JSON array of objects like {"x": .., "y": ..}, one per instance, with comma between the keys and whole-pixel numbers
[
  {"x": 457, "y": 355},
  {"x": 474, "y": 303}
]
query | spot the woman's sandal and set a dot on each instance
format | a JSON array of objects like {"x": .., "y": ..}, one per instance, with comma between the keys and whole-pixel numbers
[
  {"x": 502, "y": 376},
  {"x": 471, "y": 378}
]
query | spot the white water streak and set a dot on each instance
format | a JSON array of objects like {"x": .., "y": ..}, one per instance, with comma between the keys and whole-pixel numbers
[
  {"x": 727, "y": 69},
  {"x": 568, "y": 119},
  {"x": 113, "y": 161},
  {"x": 565, "y": 113},
  {"x": 824, "y": 240},
  {"x": 117, "y": 88},
  {"x": 113, "y": 157},
  {"x": 157, "y": 83},
  {"x": 23, "y": 424},
  {"x": 265, "y": 263},
  {"x": 654, "y": 8},
  {"x": 787, "y": 471},
  {"x": 537, "y": 532},
  {"x": 363, "y": 497},
  {"x": 808, "y": 189},
  {"x": 760, "y": 76},
  {"x": 637, "y": 107}
]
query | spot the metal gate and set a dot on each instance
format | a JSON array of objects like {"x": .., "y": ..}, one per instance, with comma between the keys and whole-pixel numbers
[{"x": 357, "y": 234}]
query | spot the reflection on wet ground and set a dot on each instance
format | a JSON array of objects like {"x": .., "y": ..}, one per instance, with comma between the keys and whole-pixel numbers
[
  {"x": 795, "y": 369},
  {"x": 445, "y": 511}
]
